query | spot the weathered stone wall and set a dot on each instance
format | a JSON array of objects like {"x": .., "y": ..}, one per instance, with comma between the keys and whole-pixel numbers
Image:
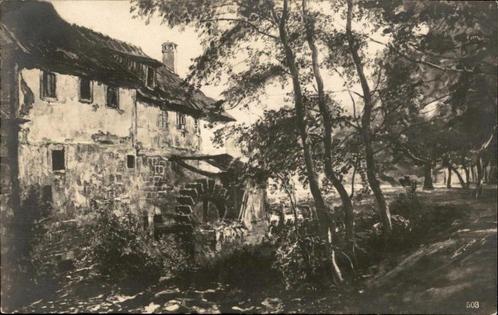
[
  {"x": 66, "y": 119},
  {"x": 97, "y": 142},
  {"x": 100, "y": 172},
  {"x": 161, "y": 181},
  {"x": 223, "y": 238},
  {"x": 92, "y": 172},
  {"x": 156, "y": 138}
]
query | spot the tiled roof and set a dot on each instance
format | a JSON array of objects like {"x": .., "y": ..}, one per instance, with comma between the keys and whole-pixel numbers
[{"x": 47, "y": 41}]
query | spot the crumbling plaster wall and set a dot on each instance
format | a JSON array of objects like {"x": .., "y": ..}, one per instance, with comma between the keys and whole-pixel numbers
[
  {"x": 66, "y": 119},
  {"x": 92, "y": 172},
  {"x": 164, "y": 140},
  {"x": 97, "y": 141}
]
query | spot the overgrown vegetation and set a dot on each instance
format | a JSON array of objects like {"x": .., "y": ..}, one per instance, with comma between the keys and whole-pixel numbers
[
  {"x": 120, "y": 247},
  {"x": 105, "y": 245},
  {"x": 300, "y": 256}
]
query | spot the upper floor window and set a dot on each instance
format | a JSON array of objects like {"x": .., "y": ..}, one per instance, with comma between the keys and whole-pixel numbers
[
  {"x": 196, "y": 126},
  {"x": 180, "y": 121},
  {"x": 86, "y": 91},
  {"x": 112, "y": 99},
  {"x": 162, "y": 121},
  {"x": 150, "y": 77},
  {"x": 48, "y": 85}
]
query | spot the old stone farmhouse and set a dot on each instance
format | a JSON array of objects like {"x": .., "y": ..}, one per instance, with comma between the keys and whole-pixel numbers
[{"x": 94, "y": 120}]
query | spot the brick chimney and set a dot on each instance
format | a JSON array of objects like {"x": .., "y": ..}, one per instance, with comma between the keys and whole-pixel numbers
[{"x": 169, "y": 54}]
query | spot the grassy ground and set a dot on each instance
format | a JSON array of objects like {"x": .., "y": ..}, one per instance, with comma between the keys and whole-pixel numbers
[{"x": 452, "y": 270}]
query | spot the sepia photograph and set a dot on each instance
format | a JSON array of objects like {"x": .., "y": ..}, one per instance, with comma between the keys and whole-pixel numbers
[{"x": 248, "y": 156}]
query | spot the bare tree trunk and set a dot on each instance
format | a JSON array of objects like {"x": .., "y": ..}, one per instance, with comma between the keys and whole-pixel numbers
[
  {"x": 428, "y": 185},
  {"x": 481, "y": 162},
  {"x": 492, "y": 174},
  {"x": 478, "y": 189},
  {"x": 485, "y": 170},
  {"x": 327, "y": 137},
  {"x": 460, "y": 178},
  {"x": 325, "y": 224},
  {"x": 353, "y": 178},
  {"x": 322, "y": 209},
  {"x": 448, "y": 179},
  {"x": 467, "y": 175},
  {"x": 384, "y": 212}
]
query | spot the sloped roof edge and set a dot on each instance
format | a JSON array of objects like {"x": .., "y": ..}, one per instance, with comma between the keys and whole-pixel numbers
[{"x": 48, "y": 42}]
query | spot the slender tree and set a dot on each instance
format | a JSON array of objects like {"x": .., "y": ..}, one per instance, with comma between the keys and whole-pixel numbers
[
  {"x": 366, "y": 132},
  {"x": 309, "y": 23}
]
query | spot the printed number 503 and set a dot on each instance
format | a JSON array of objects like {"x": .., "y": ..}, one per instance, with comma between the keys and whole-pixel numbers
[{"x": 472, "y": 304}]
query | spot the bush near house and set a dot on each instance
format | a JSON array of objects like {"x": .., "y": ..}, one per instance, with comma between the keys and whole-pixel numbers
[
  {"x": 121, "y": 248},
  {"x": 99, "y": 244},
  {"x": 300, "y": 256}
]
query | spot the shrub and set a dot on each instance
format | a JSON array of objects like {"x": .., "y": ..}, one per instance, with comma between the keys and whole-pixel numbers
[
  {"x": 247, "y": 267},
  {"x": 420, "y": 219},
  {"x": 407, "y": 205},
  {"x": 23, "y": 235},
  {"x": 121, "y": 248},
  {"x": 414, "y": 221},
  {"x": 300, "y": 256},
  {"x": 425, "y": 217}
]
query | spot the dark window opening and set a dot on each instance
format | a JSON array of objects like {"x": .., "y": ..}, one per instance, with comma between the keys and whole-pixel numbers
[
  {"x": 58, "y": 161},
  {"x": 180, "y": 121},
  {"x": 196, "y": 126},
  {"x": 130, "y": 161},
  {"x": 150, "y": 77},
  {"x": 112, "y": 97},
  {"x": 48, "y": 88},
  {"x": 85, "y": 90},
  {"x": 163, "y": 120}
]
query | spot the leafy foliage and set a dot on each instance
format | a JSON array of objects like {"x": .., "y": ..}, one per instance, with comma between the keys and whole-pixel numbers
[
  {"x": 440, "y": 75},
  {"x": 300, "y": 257},
  {"x": 121, "y": 248}
]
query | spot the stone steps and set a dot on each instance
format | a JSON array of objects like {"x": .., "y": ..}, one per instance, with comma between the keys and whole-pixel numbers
[
  {"x": 189, "y": 192},
  {"x": 185, "y": 200},
  {"x": 183, "y": 209},
  {"x": 195, "y": 186}
]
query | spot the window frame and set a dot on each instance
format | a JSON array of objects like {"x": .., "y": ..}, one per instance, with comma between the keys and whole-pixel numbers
[
  {"x": 107, "y": 97},
  {"x": 181, "y": 121},
  {"x": 147, "y": 77},
  {"x": 43, "y": 75},
  {"x": 162, "y": 118},
  {"x": 58, "y": 170},
  {"x": 131, "y": 157},
  {"x": 84, "y": 100}
]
